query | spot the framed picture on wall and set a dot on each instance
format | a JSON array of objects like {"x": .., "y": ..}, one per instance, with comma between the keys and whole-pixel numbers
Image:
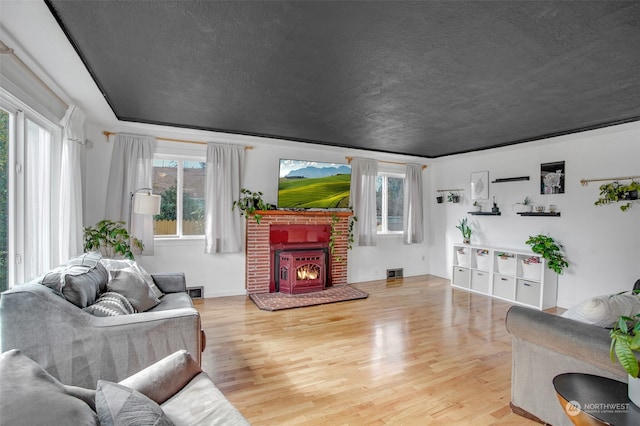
[
  {"x": 480, "y": 185},
  {"x": 552, "y": 178}
]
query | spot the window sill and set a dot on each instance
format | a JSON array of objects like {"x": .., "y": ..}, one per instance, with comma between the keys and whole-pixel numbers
[{"x": 190, "y": 241}]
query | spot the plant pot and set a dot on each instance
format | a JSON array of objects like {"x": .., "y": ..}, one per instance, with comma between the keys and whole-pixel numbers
[
  {"x": 466, "y": 240},
  {"x": 521, "y": 208},
  {"x": 455, "y": 199},
  {"x": 634, "y": 390},
  {"x": 439, "y": 199}
]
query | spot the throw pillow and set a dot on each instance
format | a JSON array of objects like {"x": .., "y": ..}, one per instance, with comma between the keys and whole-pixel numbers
[
  {"x": 129, "y": 283},
  {"x": 118, "y": 405},
  {"x": 31, "y": 396},
  {"x": 110, "y": 304},
  {"x": 604, "y": 311},
  {"x": 90, "y": 259},
  {"x": 115, "y": 264},
  {"x": 83, "y": 284}
]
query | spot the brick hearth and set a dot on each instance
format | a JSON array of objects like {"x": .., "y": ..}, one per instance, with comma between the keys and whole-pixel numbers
[{"x": 258, "y": 248}]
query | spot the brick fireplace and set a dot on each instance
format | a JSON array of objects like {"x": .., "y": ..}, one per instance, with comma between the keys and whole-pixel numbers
[{"x": 302, "y": 233}]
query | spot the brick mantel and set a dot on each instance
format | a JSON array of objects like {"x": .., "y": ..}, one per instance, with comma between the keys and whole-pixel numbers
[{"x": 259, "y": 262}]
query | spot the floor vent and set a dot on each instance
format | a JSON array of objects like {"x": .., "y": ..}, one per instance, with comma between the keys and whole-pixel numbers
[{"x": 394, "y": 273}]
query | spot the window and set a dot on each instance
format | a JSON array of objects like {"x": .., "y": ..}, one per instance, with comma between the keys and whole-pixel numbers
[
  {"x": 389, "y": 203},
  {"x": 30, "y": 152},
  {"x": 4, "y": 199},
  {"x": 181, "y": 182}
]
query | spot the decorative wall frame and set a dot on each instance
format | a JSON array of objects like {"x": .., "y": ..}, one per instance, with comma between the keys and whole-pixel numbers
[
  {"x": 552, "y": 177},
  {"x": 480, "y": 185}
]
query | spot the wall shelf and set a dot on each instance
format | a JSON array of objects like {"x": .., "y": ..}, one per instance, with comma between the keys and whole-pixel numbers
[
  {"x": 485, "y": 213},
  {"x": 549, "y": 214},
  {"x": 511, "y": 179}
]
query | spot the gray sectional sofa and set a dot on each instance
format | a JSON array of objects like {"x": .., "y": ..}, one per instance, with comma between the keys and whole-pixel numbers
[
  {"x": 54, "y": 328},
  {"x": 173, "y": 391},
  {"x": 545, "y": 345}
]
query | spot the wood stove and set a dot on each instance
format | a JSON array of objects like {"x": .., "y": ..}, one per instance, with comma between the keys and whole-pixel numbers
[{"x": 301, "y": 271}]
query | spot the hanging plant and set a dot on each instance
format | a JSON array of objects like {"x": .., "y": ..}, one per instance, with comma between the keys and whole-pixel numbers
[
  {"x": 334, "y": 233},
  {"x": 249, "y": 203},
  {"x": 615, "y": 193},
  {"x": 452, "y": 197}
]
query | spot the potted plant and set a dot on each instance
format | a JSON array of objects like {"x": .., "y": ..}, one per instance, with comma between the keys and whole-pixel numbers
[
  {"x": 477, "y": 206},
  {"x": 549, "y": 249},
  {"x": 452, "y": 197},
  {"x": 625, "y": 342},
  {"x": 111, "y": 238},
  {"x": 249, "y": 203},
  {"x": 439, "y": 199},
  {"x": 526, "y": 206},
  {"x": 614, "y": 192},
  {"x": 466, "y": 231}
]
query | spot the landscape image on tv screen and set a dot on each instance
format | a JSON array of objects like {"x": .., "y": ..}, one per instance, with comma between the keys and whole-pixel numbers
[{"x": 313, "y": 184}]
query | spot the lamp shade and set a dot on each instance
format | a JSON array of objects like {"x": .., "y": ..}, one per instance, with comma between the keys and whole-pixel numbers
[{"x": 146, "y": 203}]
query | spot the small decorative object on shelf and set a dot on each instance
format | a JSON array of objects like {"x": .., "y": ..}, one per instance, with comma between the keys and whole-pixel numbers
[
  {"x": 466, "y": 231},
  {"x": 478, "y": 206},
  {"x": 453, "y": 197},
  {"x": 495, "y": 208},
  {"x": 439, "y": 199},
  {"x": 525, "y": 206}
]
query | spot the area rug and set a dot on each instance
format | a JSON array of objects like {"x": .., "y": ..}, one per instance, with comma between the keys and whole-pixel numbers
[{"x": 278, "y": 301}]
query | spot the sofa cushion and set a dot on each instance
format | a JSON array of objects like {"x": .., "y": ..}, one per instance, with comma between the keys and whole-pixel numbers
[
  {"x": 90, "y": 259},
  {"x": 80, "y": 284},
  {"x": 604, "y": 311},
  {"x": 110, "y": 304},
  {"x": 130, "y": 284},
  {"x": 31, "y": 396},
  {"x": 200, "y": 402},
  {"x": 115, "y": 264},
  {"x": 117, "y": 405}
]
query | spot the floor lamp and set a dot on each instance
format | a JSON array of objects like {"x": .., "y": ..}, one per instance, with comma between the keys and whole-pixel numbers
[{"x": 143, "y": 203}]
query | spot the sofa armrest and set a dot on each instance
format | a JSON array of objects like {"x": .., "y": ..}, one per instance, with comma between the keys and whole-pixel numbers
[
  {"x": 165, "y": 378},
  {"x": 78, "y": 348},
  {"x": 173, "y": 282}
]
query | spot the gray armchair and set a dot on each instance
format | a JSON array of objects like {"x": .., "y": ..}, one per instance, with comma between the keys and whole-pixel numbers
[{"x": 78, "y": 348}]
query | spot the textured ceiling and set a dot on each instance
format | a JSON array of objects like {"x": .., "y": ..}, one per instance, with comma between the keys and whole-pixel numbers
[{"x": 419, "y": 78}]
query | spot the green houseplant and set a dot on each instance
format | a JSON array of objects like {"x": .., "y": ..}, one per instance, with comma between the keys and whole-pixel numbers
[
  {"x": 452, "y": 197},
  {"x": 615, "y": 193},
  {"x": 548, "y": 248},
  {"x": 625, "y": 343},
  {"x": 111, "y": 238},
  {"x": 249, "y": 203},
  {"x": 464, "y": 227}
]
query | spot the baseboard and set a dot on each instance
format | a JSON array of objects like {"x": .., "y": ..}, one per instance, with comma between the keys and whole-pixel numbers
[{"x": 524, "y": 413}]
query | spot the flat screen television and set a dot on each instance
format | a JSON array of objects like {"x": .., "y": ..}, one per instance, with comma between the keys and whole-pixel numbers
[{"x": 313, "y": 185}]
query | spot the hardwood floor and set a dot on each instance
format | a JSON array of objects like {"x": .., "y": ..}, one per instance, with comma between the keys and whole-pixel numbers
[{"x": 415, "y": 352}]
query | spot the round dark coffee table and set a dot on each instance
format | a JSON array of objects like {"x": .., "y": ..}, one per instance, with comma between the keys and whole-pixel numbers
[{"x": 593, "y": 400}]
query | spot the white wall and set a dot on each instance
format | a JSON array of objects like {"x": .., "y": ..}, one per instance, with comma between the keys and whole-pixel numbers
[
  {"x": 223, "y": 275},
  {"x": 601, "y": 243}
]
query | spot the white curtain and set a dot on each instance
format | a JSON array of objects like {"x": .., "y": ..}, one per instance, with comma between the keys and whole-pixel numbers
[
  {"x": 42, "y": 153},
  {"x": 223, "y": 226},
  {"x": 363, "y": 200},
  {"x": 131, "y": 169},
  {"x": 70, "y": 241},
  {"x": 413, "y": 214}
]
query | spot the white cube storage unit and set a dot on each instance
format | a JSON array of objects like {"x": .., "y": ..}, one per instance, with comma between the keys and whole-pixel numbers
[{"x": 513, "y": 275}]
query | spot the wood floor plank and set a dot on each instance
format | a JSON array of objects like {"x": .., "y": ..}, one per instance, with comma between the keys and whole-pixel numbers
[{"x": 415, "y": 352}]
